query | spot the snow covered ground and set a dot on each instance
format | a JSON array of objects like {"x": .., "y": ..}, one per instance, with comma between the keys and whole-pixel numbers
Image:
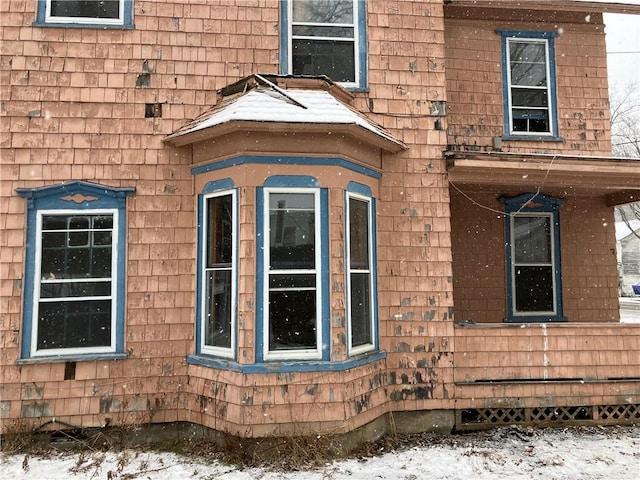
[{"x": 611, "y": 453}]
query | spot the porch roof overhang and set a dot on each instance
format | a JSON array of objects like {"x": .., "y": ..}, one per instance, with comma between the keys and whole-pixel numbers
[
  {"x": 460, "y": 6},
  {"x": 312, "y": 105},
  {"x": 618, "y": 179}
]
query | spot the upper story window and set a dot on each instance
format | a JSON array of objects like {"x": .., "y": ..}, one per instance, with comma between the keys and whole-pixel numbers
[
  {"x": 361, "y": 287},
  {"x": 102, "y": 13},
  {"x": 533, "y": 258},
  {"x": 218, "y": 272},
  {"x": 325, "y": 37},
  {"x": 529, "y": 84},
  {"x": 74, "y": 281}
]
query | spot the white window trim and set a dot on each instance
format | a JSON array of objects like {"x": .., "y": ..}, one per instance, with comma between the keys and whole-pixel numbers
[
  {"x": 85, "y": 20},
  {"x": 356, "y": 40},
  {"x": 368, "y": 346},
  {"x": 517, "y": 313},
  {"x": 550, "y": 107},
  {"x": 302, "y": 354},
  {"x": 209, "y": 349},
  {"x": 38, "y": 278}
]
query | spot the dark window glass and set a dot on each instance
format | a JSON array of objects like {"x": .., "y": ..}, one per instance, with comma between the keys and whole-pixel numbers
[
  {"x": 529, "y": 86},
  {"x": 218, "y": 308},
  {"x": 533, "y": 263},
  {"x": 292, "y": 231},
  {"x": 532, "y": 236},
  {"x": 529, "y": 98},
  {"x": 220, "y": 223},
  {"x": 534, "y": 289},
  {"x": 323, "y": 39},
  {"x": 292, "y": 319},
  {"x": 75, "y": 281},
  {"x": 361, "y": 333},
  {"x": 86, "y": 8},
  {"x": 359, "y": 273},
  {"x": 74, "y": 324},
  {"x": 324, "y": 57},
  {"x": 358, "y": 234},
  {"x": 292, "y": 275}
]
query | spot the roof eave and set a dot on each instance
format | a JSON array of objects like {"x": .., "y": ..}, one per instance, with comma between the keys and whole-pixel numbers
[{"x": 388, "y": 144}]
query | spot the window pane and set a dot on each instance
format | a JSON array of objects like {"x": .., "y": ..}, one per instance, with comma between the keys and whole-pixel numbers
[
  {"x": 324, "y": 57},
  {"x": 526, "y": 97},
  {"x": 292, "y": 231},
  {"x": 218, "y": 307},
  {"x": 314, "y": 31},
  {"x": 74, "y": 324},
  {"x": 323, "y": 11},
  {"x": 358, "y": 234},
  {"x": 360, "y": 309},
  {"x": 532, "y": 237},
  {"x": 75, "y": 289},
  {"x": 292, "y": 320},
  {"x": 528, "y": 74},
  {"x": 78, "y": 231},
  {"x": 534, "y": 289},
  {"x": 527, "y": 53},
  {"x": 78, "y": 246},
  {"x": 220, "y": 230},
  {"x": 530, "y": 124},
  {"x": 54, "y": 222},
  {"x": 85, "y": 8},
  {"x": 292, "y": 281}
]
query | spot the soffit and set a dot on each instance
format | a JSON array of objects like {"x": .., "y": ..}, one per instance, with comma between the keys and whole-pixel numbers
[
  {"x": 616, "y": 178},
  {"x": 532, "y": 10}
]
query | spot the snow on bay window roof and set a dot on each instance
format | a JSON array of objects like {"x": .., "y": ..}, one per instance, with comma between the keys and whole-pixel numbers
[{"x": 261, "y": 104}]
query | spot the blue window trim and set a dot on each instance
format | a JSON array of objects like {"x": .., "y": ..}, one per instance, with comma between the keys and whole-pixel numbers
[
  {"x": 127, "y": 21},
  {"x": 271, "y": 160},
  {"x": 361, "y": 26},
  {"x": 216, "y": 186},
  {"x": 293, "y": 181},
  {"x": 287, "y": 367},
  {"x": 553, "y": 135},
  {"x": 365, "y": 191},
  {"x": 81, "y": 196},
  {"x": 533, "y": 203}
]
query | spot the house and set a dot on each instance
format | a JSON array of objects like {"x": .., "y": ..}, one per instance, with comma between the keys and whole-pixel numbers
[
  {"x": 281, "y": 218},
  {"x": 628, "y": 251}
]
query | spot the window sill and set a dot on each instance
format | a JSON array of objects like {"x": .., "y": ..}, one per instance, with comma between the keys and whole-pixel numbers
[
  {"x": 289, "y": 366},
  {"x": 532, "y": 138},
  {"x": 101, "y": 26},
  {"x": 72, "y": 358},
  {"x": 536, "y": 319}
]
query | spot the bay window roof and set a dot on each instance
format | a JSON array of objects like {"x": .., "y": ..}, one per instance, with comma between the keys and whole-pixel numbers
[{"x": 285, "y": 104}]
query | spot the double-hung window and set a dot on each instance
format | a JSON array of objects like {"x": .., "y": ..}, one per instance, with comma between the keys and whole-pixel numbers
[
  {"x": 360, "y": 275},
  {"x": 74, "y": 282},
  {"x": 293, "y": 309},
  {"x": 325, "y": 37},
  {"x": 218, "y": 274},
  {"x": 529, "y": 84},
  {"x": 533, "y": 258},
  {"x": 103, "y": 13}
]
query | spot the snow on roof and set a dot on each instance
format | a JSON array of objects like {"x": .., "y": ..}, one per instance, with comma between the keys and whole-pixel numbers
[
  {"x": 264, "y": 104},
  {"x": 623, "y": 230}
]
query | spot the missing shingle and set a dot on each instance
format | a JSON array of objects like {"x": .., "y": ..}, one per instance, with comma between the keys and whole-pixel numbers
[
  {"x": 70, "y": 371},
  {"x": 153, "y": 110}
]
